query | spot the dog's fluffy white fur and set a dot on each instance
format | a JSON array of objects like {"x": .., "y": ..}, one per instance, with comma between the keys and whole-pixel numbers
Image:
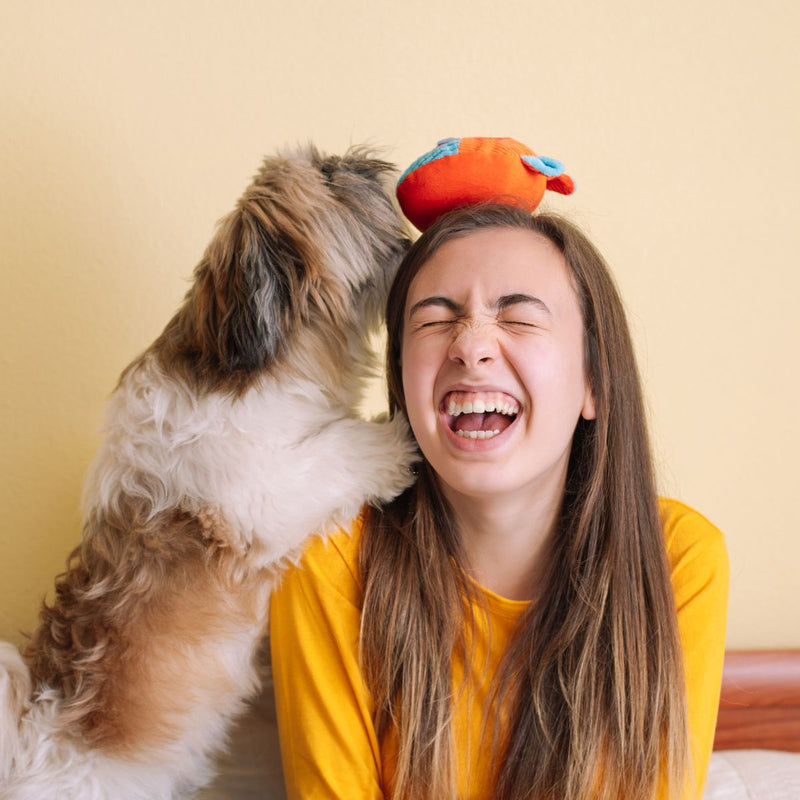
[{"x": 228, "y": 443}]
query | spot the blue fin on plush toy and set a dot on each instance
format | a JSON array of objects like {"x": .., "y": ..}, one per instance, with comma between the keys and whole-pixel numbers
[
  {"x": 544, "y": 164},
  {"x": 444, "y": 147}
]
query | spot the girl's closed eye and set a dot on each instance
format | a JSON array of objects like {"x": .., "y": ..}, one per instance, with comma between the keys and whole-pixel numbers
[
  {"x": 520, "y": 323},
  {"x": 522, "y": 319},
  {"x": 433, "y": 323},
  {"x": 433, "y": 312}
]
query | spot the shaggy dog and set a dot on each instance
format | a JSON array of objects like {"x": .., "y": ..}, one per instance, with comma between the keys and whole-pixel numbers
[{"x": 231, "y": 440}]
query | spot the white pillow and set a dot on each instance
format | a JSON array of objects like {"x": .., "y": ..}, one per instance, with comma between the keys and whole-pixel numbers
[{"x": 753, "y": 775}]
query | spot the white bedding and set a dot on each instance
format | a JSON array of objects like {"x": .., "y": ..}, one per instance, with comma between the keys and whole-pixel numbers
[
  {"x": 253, "y": 770},
  {"x": 753, "y": 775}
]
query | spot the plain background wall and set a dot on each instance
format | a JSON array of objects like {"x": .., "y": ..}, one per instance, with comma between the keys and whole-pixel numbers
[{"x": 128, "y": 129}]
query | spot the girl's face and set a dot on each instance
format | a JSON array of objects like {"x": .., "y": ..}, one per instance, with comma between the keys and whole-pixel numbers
[{"x": 493, "y": 364}]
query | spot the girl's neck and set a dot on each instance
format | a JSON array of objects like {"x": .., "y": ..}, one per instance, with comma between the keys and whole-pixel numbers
[{"x": 504, "y": 539}]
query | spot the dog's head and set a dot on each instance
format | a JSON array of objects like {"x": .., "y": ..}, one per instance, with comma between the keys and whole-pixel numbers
[{"x": 296, "y": 275}]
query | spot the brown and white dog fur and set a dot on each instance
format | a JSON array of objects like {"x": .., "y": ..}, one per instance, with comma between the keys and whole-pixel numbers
[{"x": 231, "y": 440}]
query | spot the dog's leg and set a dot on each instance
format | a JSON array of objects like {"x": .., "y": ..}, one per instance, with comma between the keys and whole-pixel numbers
[
  {"x": 143, "y": 658},
  {"x": 15, "y": 690},
  {"x": 377, "y": 461},
  {"x": 346, "y": 463}
]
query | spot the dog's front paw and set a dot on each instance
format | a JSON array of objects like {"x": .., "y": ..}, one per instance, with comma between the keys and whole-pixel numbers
[{"x": 395, "y": 467}]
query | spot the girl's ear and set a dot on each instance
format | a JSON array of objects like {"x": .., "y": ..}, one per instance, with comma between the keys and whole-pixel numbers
[{"x": 588, "y": 411}]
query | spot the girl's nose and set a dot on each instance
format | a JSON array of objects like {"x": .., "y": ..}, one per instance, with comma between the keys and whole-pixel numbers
[{"x": 474, "y": 343}]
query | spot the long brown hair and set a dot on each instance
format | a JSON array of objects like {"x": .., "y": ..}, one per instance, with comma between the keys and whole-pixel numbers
[{"x": 593, "y": 679}]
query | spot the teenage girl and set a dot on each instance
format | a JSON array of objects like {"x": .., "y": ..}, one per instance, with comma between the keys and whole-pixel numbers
[{"x": 528, "y": 620}]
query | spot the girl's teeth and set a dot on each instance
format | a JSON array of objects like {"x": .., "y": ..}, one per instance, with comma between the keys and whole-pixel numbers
[
  {"x": 480, "y": 406},
  {"x": 477, "y": 434}
]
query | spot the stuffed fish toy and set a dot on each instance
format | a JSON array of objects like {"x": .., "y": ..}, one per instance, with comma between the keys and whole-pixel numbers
[{"x": 477, "y": 169}]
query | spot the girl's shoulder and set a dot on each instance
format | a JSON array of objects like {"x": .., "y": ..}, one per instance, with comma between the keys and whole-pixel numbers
[
  {"x": 329, "y": 563},
  {"x": 694, "y": 544}
]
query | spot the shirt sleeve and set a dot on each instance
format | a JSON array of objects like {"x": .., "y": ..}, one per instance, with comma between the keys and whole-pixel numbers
[
  {"x": 328, "y": 744},
  {"x": 699, "y": 570}
]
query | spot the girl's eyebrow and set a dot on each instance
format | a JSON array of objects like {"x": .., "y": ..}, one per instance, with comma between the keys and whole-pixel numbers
[
  {"x": 518, "y": 298},
  {"x": 436, "y": 300}
]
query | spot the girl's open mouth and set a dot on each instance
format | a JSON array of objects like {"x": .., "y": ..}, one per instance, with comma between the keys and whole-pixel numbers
[{"x": 479, "y": 415}]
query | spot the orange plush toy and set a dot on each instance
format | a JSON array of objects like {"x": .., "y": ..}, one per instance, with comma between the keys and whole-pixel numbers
[{"x": 460, "y": 172}]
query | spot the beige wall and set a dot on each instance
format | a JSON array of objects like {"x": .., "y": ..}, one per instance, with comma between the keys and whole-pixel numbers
[{"x": 128, "y": 129}]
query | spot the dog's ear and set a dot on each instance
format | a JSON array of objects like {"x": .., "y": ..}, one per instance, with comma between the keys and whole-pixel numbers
[{"x": 246, "y": 293}]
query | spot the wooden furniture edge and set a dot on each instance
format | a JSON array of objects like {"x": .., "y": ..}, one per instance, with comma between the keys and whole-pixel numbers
[{"x": 760, "y": 701}]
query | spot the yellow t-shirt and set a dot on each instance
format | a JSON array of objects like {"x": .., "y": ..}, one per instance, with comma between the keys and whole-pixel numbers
[{"x": 328, "y": 743}]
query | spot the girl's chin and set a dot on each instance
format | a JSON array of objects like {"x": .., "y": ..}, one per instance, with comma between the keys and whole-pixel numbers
[{"x": 476, "y": 486}]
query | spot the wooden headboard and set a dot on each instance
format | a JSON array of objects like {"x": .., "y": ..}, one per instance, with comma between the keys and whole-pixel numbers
[{"x": 760, "y": 703}]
